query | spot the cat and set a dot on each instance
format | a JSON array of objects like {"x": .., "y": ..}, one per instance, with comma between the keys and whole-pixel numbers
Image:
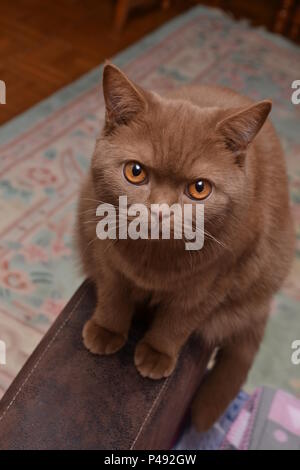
[{"x": 200, "y": 145}]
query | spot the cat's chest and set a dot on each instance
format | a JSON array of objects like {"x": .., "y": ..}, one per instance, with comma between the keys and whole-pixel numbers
[{"x": 163, "y": 278}]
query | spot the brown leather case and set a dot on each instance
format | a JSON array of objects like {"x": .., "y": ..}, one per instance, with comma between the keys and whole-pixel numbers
[{"x": 67, "y": 398}]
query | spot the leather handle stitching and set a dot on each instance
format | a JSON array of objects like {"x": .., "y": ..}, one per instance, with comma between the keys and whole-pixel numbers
[
  {"x": 42, "y": 356},
  {"x": 162, "y": 390},
  {"x": 164, "y": 387}
]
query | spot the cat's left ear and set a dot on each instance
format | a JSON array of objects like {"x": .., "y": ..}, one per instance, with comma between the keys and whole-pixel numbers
[
  {"x": 123, "y": 99},
  {"x": 239, "y": 129}
]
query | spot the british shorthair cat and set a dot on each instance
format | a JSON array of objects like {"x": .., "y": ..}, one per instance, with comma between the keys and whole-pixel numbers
[{"x": 197, "y": 145}]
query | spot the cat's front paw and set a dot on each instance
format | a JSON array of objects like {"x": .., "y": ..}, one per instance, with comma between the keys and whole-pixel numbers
[
  {"x": 99, "y": 340},
  {"x": 152, "y": 363}
]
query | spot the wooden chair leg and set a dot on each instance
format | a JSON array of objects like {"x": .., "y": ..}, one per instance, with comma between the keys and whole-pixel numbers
[
  {"x": 165, "y": 4},
  {"x": 283, "y": 16},
  {"x": 121, "y": 14}
]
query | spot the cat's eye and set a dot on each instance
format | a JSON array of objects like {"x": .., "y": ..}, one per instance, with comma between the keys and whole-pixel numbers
[
  {"x": 135, "y": 173},
  {"x": 199, "y": 189}
]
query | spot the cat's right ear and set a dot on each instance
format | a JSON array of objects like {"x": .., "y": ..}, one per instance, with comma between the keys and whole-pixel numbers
[
  {"x": 240, "y": 128},
  {"x": 123, "y": 99}
]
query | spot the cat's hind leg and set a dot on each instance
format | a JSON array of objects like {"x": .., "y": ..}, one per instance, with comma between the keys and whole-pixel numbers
[{"x": 223, "y": 382}]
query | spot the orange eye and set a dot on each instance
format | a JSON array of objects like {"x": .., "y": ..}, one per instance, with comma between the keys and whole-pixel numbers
[
  {"x": 135, "y": 173},
  {"x": 199, "y": 190}
]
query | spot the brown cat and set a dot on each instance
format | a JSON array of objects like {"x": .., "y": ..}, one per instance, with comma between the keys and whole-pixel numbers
[{"x": 200, "y": 145}]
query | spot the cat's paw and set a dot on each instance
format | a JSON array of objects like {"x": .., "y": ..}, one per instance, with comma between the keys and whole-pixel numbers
[
  {"x": 152, "y": 363},
  {"x": 99, "y": 340}
]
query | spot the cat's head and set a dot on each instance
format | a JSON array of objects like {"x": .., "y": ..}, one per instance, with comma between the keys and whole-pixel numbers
[{"x": 158, "y": 150}]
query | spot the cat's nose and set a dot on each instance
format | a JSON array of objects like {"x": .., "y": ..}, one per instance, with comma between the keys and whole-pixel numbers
[
  {"x": 160, "y": 214},
  {"x": 163, "y": 195}
]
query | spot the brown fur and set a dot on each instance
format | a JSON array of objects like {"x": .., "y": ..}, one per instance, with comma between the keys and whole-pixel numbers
[{"x": 223, "y": 291}]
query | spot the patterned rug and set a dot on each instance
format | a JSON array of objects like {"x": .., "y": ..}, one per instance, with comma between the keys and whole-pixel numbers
[
  {"x": 267, "y": 419},
  {"x": 45, "y": 153}
]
